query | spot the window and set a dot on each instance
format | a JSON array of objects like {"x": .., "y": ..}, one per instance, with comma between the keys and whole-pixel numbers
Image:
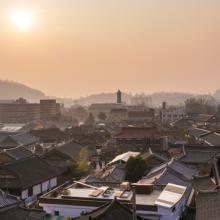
[{"x": 57, "y": 213}]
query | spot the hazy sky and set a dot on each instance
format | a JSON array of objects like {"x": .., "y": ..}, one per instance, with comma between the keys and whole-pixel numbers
[{"x": 79, "y": 47}]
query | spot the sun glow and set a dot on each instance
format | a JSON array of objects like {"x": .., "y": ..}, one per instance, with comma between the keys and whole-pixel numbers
[{"x": 22, "y": 19}]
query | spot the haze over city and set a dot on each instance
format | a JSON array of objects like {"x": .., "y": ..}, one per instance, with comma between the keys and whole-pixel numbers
[
  {"x": 109, "y": 109},
  {"x": 75, "y": 48}
]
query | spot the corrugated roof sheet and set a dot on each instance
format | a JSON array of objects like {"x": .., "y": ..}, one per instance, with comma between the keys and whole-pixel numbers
[
  {"x": 170, "y": 195},
  {"x": 124, "y": 157}
]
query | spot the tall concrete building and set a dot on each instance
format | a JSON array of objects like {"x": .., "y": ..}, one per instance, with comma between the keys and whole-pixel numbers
[
  {"x": 48, "y": 109},
  {"x": 20, "y": 111}
]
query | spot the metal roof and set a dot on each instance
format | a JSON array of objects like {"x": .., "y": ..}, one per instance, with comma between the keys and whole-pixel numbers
[
  {"x": 170, "y": 195},
  {"x": 124, "y": 157}
]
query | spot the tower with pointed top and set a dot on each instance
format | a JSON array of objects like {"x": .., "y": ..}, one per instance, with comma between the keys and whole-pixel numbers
[{"x": 119, "y": 100}]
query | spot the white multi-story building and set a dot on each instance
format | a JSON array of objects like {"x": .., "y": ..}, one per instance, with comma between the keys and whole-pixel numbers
[
  {"x": 152, "y": 202},
  {"x": 171, "y": 115}
]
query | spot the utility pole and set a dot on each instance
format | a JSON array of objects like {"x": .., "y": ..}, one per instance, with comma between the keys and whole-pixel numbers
[{"x": 134, "y": 203}]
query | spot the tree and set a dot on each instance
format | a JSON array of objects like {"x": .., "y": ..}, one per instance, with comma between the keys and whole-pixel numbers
[
  {"x": 82, "y": 166},
  {"x": 90, "y": 120},
  {"x": 135, "y": 168},
  {"x": 79, "y": 113},
  {"x": 204, "y": 105},
  {"x": 102, "y": 116},
  {"x": 218, "y": 110},
  {"x": 71, "y": 168}
]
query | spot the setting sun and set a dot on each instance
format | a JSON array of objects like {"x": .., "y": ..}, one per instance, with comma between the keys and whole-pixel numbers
[{"x": 22, "y": 19}]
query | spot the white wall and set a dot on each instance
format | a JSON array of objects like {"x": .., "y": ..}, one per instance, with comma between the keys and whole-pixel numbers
[
  {"x": 37, "y": 189},
  {"x": 45, "y": 186},
  {"x": 76, "y": 211},
  {"x": 66, "y": 210},
  {"x": 24, "y": 194},
  {"x": 53, "y": 182}
]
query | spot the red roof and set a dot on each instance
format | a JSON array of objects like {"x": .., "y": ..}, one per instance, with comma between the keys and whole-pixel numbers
[{"x": 138, "y": 132}]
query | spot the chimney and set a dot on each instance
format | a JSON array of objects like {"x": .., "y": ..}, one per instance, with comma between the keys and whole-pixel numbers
[
  {"x": 164, "y": 105},
  {"x": 119, "y": 97}
]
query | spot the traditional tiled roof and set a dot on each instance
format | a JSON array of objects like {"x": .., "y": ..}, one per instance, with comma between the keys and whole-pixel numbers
[
  {"x": 197, "y": 132},
  {"x": 7, "y": 200},
  {"x": 151, "y": 154},
  {"x": 48, "y": 134},
  {"x": 205, "y": 118},
  {"x": 182, "y": 122},
  {"x": 112, "y": 174},
  {"x": 199, "y": 154},
  {"x": 177, "y": 166},
  {"x": 21, "y": 139},
  {"x": 18, "y": 213},
  {"x": 3, "y": 136},
  {"x": 71, "y": 149},
  {"x": 91, "y": 139},
  {"x": 212, "y": 139},
  {"x": 173, "y": 171},
  {"x": 18, "y": 153},
  {"x": 24, "y": 139},
  {"x": 207, "y": 205},
  {"x": 137, "y": 132},
  {"x": 110, "y": 211},
  {"x": 203, "y": 183},
  {"x": 27, "y": 172}
]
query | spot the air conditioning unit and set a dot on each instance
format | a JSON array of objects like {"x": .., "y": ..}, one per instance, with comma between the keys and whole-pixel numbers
[{"x": 125, "y": 186}]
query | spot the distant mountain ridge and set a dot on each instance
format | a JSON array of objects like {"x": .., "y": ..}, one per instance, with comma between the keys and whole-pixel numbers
[
  {"x": 102, "y": 98},
  {"x": 10, "y": 90},
  {"x": 217, "y": 94},
  {"x": 172, "y": 98},
  {"x": 14, "y": 90},
  {"x": 157, "y": 98}
]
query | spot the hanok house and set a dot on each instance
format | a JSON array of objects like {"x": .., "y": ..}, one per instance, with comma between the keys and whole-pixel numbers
[
  {"x": 138, "y": 136},
  {"x": 152, "y": 202},
  {"x": 11, "y": 209},
  {"x": 14, "y": 154},
  {"x": 207, "y": 205},
  {"x": 174, "y": 172},
  {"x": 114, "y": 173},
  {"x": 207, "y": 199},
  {"x": 199, "y": 155},
  {"x": 204, "y": 137},
  {"x": 110, "y": 211},
  {"x": 49, "y": 135},
  {"x": 28, "y": 178},
  {"x": 153, "y": 159},
  {"x": 59, "y": 155},
  {"x": 204, "y": 119},
  {"x": 182, "y": 123},
  {"x": 14, "y": 140}
]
